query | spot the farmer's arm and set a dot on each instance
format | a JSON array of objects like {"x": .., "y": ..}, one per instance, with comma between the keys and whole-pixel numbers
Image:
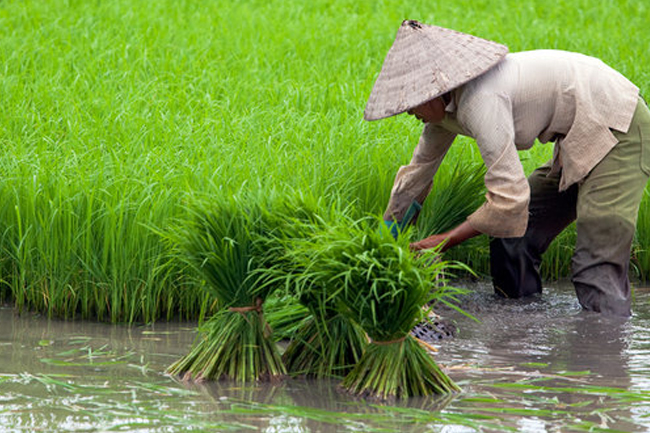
[
  {"x": 413, "y": 181},
  {"x": 505, "y": 212}
]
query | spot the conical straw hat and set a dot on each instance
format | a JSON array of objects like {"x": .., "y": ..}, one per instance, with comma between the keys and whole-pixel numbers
[{"x": 426, "y": 62}]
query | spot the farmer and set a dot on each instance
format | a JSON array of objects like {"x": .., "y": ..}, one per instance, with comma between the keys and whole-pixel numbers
[{"x": 460, "y": 84}]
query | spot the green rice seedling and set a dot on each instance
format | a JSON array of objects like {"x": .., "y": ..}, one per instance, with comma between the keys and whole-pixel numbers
[
  {"x": 377, "y": 282},
  {"x": 556, "y": 261},
  {"x": 641, "y": 250},
  {"x": 222, "y": 244},
  {"x": 285, "y": 315},
  {"x": 457, "y": 192},
  {"x": 326, "y": 343},
  {"x": 76, "y": 252}
]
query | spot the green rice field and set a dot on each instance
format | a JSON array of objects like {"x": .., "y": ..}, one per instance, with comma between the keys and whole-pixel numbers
[
  {"x": 116, "y": 116},
  {"x": 121, "y": 121}
]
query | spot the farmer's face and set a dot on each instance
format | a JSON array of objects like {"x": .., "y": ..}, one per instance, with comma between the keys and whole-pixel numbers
[{"x": 430, "y": 112}]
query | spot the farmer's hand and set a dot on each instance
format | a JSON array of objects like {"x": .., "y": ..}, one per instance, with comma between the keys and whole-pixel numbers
[
  {"x": 430, "y": 242},
  {"x": 449, "y": 239}
]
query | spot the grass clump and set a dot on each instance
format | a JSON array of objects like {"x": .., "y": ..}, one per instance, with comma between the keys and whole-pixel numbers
[
  {"x": 458, "y": 191},
  {"x": 225, "y": 245},
  {"x": 378, "y": 283}
]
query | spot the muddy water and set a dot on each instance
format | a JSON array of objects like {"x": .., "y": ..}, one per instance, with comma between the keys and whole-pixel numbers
[{"x": 536, "y": 366}]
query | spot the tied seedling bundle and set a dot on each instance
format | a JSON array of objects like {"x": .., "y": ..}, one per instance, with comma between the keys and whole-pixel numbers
[
  {"x": 328, "y": 343},
  {"x": 383, "y": 287},
  {"x": 226, "y": 244}
]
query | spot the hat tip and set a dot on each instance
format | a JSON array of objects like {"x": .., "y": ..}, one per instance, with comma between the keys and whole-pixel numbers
[{"x": 412, "y": 23}]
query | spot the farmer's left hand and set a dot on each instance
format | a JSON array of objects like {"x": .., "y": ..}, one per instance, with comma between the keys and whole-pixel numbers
[
  {"x": 449, "y": 239},
  {"x": 430, "y": 242}
]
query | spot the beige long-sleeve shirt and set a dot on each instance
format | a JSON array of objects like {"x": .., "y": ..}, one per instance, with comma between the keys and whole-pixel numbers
[{"x": 569, "y": 98}]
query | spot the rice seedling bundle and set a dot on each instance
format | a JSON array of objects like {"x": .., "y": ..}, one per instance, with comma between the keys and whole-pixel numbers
[
  {"x": 225, "y": 245},
  {"x": 382, "y": 286},
  {"x": 327, "y": 343}
]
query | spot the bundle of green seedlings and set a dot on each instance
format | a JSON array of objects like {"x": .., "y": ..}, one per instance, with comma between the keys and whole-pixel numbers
[
  {"x": 378, "y": 283},
  {"x": 225, "y": 243},
  {"x": 327, "y": 343}
]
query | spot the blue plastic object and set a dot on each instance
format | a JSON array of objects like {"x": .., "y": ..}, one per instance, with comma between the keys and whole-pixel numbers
[{"x": 397, "y": 226}]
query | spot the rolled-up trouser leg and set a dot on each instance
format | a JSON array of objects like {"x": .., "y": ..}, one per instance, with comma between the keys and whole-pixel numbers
[
  {"x": 514, "y": 262},
  {"x": 608, "y": 203}
]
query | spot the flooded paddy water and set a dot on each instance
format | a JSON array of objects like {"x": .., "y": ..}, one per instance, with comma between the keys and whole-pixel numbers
[{"x": 534, "y": 366}]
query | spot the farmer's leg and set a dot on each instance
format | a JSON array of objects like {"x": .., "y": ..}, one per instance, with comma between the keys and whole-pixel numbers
[
  {"x": 514, "y": 262},
  {"x": 608, "y": 203}
]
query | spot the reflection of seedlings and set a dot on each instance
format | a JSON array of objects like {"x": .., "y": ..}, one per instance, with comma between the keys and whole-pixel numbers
[
  {"x": 159, "y": 333},
  {"x": 79, "y": 339},
  {"x": 535, "y": 364},
  {"x": 418, "y": 415},
  {"x": 233, "y": 392}
]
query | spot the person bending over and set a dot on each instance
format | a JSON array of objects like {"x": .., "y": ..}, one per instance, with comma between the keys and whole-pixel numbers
[{"x": 457, "y": 83}]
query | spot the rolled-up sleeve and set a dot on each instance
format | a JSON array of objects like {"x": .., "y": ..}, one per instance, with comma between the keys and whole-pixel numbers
[
  {"x": 413, "y": 181},
  {"x": 488, "y": 118}
]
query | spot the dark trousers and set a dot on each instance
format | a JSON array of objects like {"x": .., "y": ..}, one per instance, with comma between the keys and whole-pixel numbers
[{"x": 604, "y": 205}]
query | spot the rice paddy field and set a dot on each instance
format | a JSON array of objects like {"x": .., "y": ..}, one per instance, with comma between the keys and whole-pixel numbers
[
  {"x": 117, "y": 117},
  {"x": 535, "y": 367}
]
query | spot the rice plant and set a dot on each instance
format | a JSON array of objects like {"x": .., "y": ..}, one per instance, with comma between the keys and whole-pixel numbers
[
  {"x": 378, "y": 283},
  {"x": 326, "y": 343},
  {"x": 285, "y": 315},
  {"x": 115, "y": 114},
  {"x": 223, "y": 244},
  {"x": 457, "y": 192}
]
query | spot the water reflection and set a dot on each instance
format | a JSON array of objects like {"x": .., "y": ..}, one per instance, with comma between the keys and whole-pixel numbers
[
  {"x": 303, "y": 405},
  {"x": 550, "y": 340},
  {"x": 540, "y": 365},
  {"x": 29, "y": 338}
]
